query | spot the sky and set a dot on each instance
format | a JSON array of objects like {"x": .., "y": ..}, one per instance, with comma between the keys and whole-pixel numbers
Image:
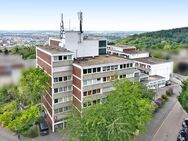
[{"x": 98, "y": 15}]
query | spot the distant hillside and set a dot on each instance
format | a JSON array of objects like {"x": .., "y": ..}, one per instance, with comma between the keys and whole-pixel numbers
[{"x": 164, "y": 39}]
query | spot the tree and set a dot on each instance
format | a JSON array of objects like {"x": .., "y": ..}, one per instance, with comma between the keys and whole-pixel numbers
[
  {"x": 33, "y": 82},
  {"x": 183, "y": 97},
  {"x": 123, "y": 116},
  {"x": 8, "y": 93},
  {"x": 26, "y": 119}
]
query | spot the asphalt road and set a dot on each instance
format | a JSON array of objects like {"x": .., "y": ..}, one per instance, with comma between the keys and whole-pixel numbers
[{"x": 168, "y": 131}]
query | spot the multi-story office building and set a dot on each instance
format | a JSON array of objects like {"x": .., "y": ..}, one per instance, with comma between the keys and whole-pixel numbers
[
  {"x": 92, "y": 78},
  {"x": 57, "y": 101},
  {"x": 81, "y": 73}
]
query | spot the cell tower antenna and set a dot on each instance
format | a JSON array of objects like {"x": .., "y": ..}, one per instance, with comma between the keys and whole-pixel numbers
[
  {"x": 80, "y": 18},
  {"x": 62, "y": 27}
]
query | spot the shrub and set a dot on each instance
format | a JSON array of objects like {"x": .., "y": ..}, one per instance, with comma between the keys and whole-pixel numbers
[
  {"x": 164, "y": 97},
  {"x": 33, "y": 132}
]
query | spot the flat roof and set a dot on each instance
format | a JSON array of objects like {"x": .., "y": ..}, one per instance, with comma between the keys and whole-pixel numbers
[
  {"x": 151, "y": 60},
  {"x": 55, "y": 50},
  {"x": 122, "y": 46},
  {"x": 98, "y": 60}
]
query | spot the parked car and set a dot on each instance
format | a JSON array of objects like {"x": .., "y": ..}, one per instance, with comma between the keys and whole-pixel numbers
[
  {"x": 182, "y": 136},
  {"x": 183, "y": 133},
  {"x": 43, "y": 127},
  {"x": 185, "y": 124}
]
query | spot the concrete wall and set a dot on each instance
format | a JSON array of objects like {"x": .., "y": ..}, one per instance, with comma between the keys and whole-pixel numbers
[
  {"x": 163, "y": 69},
  {"x": 81, "y": 49}
]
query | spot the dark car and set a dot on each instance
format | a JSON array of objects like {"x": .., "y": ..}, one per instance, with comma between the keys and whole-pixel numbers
[
  {"x": 185, "y": 121},
  {"x": 182, "y": 136},
  {"x": 43, "y": 127}
]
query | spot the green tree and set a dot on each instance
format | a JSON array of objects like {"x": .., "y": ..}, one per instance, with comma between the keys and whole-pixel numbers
[
  {"x": 183, "y": 97},
  {"x": 25, "y": 120},
  {"x": 8, "y": 93},
  {"x": 33, "y": 82},
  {"x": 123, "y": 116}
]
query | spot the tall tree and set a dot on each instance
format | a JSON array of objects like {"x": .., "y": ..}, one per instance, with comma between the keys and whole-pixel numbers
[
  {"x": 123, "y": 116},
  {"x": 33, "y": 82},
  {"x": 183, "y": 97}
]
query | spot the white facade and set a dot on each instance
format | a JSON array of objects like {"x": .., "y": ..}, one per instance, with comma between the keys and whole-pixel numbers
[
  {"x": 164, "y": 69},
  {"x": 82, "y": 48},
  {"x": 127, "y": 51}
]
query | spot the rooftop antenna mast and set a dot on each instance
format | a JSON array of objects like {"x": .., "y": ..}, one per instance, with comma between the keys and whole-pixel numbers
[
  {"x": 62, "y": 27},
  {"x": 80, "y": 18}
]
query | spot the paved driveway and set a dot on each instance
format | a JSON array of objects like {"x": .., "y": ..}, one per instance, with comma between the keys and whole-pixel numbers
[{"x": 168, "y": 131}]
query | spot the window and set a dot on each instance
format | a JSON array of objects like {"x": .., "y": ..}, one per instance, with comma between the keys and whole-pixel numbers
[
  {"x": 89, "y": 70},
  {"x": 69, "y": 88},
  {"x": 121, "y": 66},
  {"x": 108, "y": 78},
  {"x": 85, "y": 82},
  {"x": 67, "y": 108},
  {"x": 60, "y": 110},
  {"x": 108, "y": 68},
  {"x": 64, "y": 89},
  {"x": 102, "y": 51},
  {"x": 60, "y": 79},
  {"x": 69, "y": 57},
  {"x": 131, "y": 65},
  {"x": 55, "y": 58},
  {"x": 56, "y": 111},
  {"x": 55, "y": 100},
  {"x": 60, "y": 99},
  {"x": 56, "y": 79},
  {"x": 60, "y": 57},
  {"x": 56, "y": 90},
  {"x": 85, "y": 93},
  {"x": 60, "y": 89},
  {"x": 94, "y": 91},
  {"x": 85, "y": 104},
  {"x": 64, "y": 57},
  {"x": 94, "y": 70},
  {"x": 127, "y": 65},
  {"x": 98, "y": 91},
  {"x": 65, "y": 78},
  {"x": 116, "y": 67},
  {"x": 98, "y": 69},
  {"x": 102, "y": 43},
  {"x": 112, "y": 68},
  {"x": 89, "y": 92},
  {"x": 112, "y": 77},
  {"x": 104, "y": 79},
  {"x": 104, "y": 69},
  {"x": 85, "y": 71},
  {"x": 69, "y": 77}
]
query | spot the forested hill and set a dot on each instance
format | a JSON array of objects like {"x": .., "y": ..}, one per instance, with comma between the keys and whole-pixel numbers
[{"x": 164, "y": 39}]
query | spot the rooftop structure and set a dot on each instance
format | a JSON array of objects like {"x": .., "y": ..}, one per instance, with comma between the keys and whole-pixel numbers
[{"x": 150, "y": 60}]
